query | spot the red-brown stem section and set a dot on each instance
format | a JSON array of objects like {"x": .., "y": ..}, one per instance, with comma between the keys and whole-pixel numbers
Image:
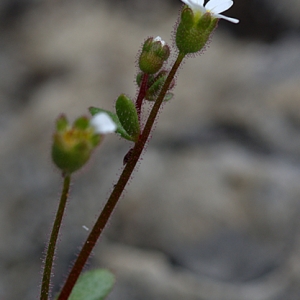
[
  {"x": 118, "y": 189},
  {"x": 53, "y": 239},
  {"x": 141, "y": 95}
]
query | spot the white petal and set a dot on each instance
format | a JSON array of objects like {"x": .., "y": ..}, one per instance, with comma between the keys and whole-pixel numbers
[
  {"x": 233, "y": 20},
  {"x": 218, "y": 6},
  {"x": 215, "y": 7},
  {"x": 158, "y": 39},
  {"x": 187, "y": 2},
  {"x": 198, "y": 2},
  {"x": 195, "y": 4},
  {"x": 103, "y": 123}
]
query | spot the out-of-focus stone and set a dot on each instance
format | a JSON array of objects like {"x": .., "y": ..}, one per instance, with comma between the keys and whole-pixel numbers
[{"x": 222, "y": 167}]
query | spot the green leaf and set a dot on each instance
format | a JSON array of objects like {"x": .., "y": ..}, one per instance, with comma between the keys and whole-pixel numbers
[
  {"x": 155, "y": 88},
  {"x": 128, "y": 117},
  {"x": 120, "y": 130},
  {"x": 93, "y": 285}
]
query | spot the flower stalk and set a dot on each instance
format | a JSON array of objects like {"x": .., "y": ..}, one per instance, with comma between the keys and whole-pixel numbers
[
  {"x": 141, "y": 95},
  {"x": 118, "y": 189},
  {"x": 45, "y": 287}
]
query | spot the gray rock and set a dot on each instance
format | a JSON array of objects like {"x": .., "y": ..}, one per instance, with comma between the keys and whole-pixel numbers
[{"x": 211, "y": 213}]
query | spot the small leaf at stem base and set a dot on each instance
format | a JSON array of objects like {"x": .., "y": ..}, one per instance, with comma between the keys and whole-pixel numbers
[{"x": 93, "y": 285}]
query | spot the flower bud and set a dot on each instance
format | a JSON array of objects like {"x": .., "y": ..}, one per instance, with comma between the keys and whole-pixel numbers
[
  {"x": 155, "y": 85},
  {"x": 154, "y": 53},
  {"x": 73, "y": 145},
  {"x": 194, "y": 30}
]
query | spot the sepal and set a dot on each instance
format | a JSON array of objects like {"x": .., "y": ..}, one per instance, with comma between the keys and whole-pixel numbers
[{"x": 187, "y": 17}]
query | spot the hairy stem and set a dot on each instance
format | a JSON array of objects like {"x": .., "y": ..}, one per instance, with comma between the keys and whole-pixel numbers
[
  {"x": 45, "y": 288},
  {"x": 118, "y": 189},
  {"x": 141, "y": 95}
]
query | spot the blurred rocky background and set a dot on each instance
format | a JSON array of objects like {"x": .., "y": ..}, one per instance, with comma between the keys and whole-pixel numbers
[{"x": 212, "y": 212}]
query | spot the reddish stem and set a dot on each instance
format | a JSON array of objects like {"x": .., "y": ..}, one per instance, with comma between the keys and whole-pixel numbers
[
  {"x": 118, "y": 189},
  {"x": 142, "y": 94}
]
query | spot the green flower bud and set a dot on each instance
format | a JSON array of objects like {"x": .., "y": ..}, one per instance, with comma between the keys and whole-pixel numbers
[
  {"x": 194, "y": 30},
  {"x": 154, "y": 53},
  {"x": 73, "y": 145},
  {"x": 155, "y": 85}
]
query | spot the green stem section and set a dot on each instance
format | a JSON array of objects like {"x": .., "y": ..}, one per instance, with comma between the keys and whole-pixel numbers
[
  {"x": 119, "y": 187},
  {"x": 53, "y": 239}
]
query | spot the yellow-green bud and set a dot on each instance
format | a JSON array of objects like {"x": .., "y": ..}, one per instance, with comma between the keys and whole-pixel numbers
[
  {"x": 73, "y": 145},
  {"x": 154, "y": 53}
]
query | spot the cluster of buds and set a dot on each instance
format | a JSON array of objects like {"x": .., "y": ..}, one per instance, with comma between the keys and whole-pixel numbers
[
  {"x": 155, "y": 53},
  {"x": 73, "y": 145}
]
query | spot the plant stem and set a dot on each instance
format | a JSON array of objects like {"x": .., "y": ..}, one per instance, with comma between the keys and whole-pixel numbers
[
  {"x": 118, "y": 189},
  {"x": 141, "y": 96},
  {"x": 53, "y": 239}
]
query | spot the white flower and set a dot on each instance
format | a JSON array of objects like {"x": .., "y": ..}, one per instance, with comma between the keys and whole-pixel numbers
[
  {"x": 214, "y": 7},
  {"x": 158, "y": 39},
  {"x": 103, "y": 123}
]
